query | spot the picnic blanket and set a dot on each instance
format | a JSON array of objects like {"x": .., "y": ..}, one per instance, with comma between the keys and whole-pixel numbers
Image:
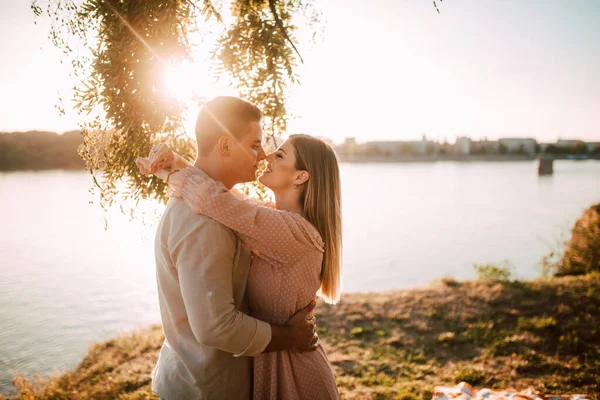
[{"x": 464, "y": 391}]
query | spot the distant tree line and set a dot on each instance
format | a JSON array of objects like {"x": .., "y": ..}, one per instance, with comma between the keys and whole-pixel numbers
[
  {"x": 39, "y": 151},
  {"x": 578, "y": 148}
]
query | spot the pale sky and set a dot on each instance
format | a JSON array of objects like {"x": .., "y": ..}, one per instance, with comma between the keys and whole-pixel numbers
[{"x": 387, "y": 69}]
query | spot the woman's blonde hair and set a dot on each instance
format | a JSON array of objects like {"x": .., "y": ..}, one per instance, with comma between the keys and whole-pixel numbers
[{"x": 321, "y": 201}]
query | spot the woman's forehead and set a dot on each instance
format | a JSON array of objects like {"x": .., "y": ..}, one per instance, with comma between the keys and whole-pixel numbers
[{"x": 287, "y": 145}]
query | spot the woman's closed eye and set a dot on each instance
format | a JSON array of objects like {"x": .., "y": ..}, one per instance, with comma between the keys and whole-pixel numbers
[{"x": 278, "y": 155}]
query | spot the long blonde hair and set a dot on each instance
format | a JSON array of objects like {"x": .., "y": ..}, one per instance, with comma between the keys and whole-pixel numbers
[{"x": 321, "y": 202}]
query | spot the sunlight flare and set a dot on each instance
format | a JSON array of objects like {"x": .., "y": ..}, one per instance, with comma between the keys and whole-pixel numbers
[
  {"x": 192, "y": 82},
  {"x": 186, "y": 81}
]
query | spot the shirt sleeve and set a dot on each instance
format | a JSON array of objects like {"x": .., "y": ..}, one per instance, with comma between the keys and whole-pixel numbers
[
  {"x": 277, "y": 235},
  {"x": 204, "y": 258}
]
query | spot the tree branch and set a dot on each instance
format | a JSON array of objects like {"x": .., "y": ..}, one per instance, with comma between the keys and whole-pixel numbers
[
  {"x": 279, "y": 24},
  {"x": 208, "y": 6}
]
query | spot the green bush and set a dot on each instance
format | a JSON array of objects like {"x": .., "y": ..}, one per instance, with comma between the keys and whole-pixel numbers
[
  {"x": 471, "y": 376},
  {"x": 494, "y": 273},
  {"x": 582, "y": 252},
  {"x": 536, "y": 323}
]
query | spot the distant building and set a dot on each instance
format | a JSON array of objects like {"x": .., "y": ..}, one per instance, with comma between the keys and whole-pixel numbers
[
  {"x": 593, "y": 146},
  {"x": 571, "y": 146},
  {"x": 386, "y": 148},
  {"x": 544, "y": 146},
  {"x": 463, "y": 146},
  {"x": 349, "y": 148},
  {"x": 389, "y": 148},
  {"x": 568, "y": 143},
  {"x": 519, "y": 145},
  {"x": 485, "y": 147},
  {"x": 446, "y": 148},
  {"x": 420, "y": 147}
]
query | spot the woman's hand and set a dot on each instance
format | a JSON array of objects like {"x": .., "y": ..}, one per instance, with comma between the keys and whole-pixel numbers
[
  {"x": 161, "y": 157},
  {"x": 143, "y": 163},
  {"x": 160, "y": 162}
]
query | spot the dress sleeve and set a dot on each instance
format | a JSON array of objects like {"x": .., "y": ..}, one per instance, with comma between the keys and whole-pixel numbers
[{"x": 280, "y": 236}]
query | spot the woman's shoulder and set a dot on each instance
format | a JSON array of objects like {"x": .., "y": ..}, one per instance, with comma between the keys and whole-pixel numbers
[{"x": 310, "y": 233}]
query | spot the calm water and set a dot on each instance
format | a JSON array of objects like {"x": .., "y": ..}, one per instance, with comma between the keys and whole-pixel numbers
[{"x": 66, "y": 282}]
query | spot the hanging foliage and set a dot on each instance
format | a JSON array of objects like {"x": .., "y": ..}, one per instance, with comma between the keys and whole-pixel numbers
[{"x": 120, "y": 51}]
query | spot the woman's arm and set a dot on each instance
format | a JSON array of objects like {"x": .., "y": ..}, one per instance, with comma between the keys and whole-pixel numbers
[
  {"x": 257, "y": 202},
  {"x": 279, "y": 235}
]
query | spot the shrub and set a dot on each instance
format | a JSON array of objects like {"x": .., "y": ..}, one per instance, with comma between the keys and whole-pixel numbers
[
  {"x": 493, "y": 273},
  {"x": 469, "y": 375},
  {"x": 582, "y": 252}
]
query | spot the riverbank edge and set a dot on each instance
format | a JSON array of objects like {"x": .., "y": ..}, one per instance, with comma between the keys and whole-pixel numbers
[{"x": 542, "y": 334}]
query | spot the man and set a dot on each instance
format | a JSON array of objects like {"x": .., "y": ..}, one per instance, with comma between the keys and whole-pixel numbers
[{"x": 202, "y": 268}]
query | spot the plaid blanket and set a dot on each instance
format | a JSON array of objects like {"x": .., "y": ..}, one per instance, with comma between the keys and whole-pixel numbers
[{"x": 464, "y": 391}]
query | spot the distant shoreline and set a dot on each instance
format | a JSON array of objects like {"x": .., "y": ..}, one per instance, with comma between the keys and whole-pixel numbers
[
  {"x": 40, "y": 151},
  {"x": 455, "y": 158},
  {"x": 43, "y": 151},
  {"x": 355, "y": 160}
]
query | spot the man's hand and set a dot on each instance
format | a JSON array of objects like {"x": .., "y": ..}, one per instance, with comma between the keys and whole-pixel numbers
[{"x": 304, "y": 328}]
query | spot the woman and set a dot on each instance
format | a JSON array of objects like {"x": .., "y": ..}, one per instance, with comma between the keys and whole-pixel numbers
[{"x": 296, "y": 250}]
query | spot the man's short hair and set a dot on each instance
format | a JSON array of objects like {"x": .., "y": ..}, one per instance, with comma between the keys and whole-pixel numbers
[{"x": 224, "y": 116}]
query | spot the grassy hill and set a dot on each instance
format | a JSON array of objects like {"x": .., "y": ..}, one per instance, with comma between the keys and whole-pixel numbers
[{"x": 400, "y": 344}]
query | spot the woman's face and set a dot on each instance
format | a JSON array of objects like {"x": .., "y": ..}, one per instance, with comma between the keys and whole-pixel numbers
[{"x": 280, "y": 172}]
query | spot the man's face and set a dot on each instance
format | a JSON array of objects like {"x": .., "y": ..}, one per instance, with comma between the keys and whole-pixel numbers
[{"x": 246, "y": 153}]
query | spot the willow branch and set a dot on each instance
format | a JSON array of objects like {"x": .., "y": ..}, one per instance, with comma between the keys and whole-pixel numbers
[
  {"x": 279, "y": 24},
  {"x": 208, "y": 6}
]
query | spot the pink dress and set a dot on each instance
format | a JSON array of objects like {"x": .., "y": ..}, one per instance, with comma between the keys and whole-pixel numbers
[{"x": 284, "y": 278}]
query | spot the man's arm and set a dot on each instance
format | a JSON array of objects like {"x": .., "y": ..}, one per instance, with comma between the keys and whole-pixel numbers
[
  {"x": 204, "y": 260},
  {"x": 299, "y": 334}
]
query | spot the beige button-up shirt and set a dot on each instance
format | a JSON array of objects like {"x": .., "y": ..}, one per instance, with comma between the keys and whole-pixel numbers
[{"x": 201, "y": 270}]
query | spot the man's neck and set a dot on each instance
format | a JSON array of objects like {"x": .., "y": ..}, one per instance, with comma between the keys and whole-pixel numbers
[{"x": 214, "y": 169}]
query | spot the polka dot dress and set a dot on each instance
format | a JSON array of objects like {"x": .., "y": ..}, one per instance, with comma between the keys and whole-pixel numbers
[{"x": 284, "y": 277}]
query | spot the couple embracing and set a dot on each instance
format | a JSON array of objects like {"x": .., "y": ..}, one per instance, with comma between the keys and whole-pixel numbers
[{"x": 237, "y": 278}]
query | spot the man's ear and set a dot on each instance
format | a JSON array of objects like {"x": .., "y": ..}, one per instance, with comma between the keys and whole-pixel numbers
[
  {"x": 224, "y": 146},
  {"x": 301, "y": 177}
]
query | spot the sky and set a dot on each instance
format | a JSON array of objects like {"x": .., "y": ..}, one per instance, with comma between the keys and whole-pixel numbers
[{"x": 385, "y": 70}]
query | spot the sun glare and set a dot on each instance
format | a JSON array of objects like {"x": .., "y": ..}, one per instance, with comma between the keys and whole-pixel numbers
[
  {"x": 193, "y": 81},
  {"x": 187, "y": 81},
  {"x": 193, "y": 84}
]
